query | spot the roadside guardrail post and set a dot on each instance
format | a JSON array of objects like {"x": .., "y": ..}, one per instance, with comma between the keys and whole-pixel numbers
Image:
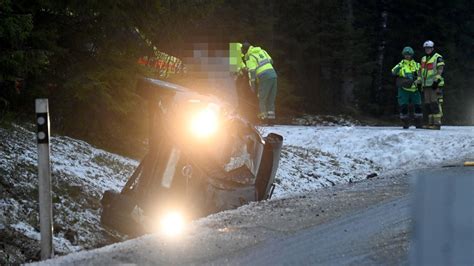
[{"x": 44, "y": 182}]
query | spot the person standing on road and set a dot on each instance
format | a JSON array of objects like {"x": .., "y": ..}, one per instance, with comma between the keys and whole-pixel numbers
[
  {"x": 430, "y": 80},
  {"x": 406, "y": 72},
  {"x": 263, "y": 79}
]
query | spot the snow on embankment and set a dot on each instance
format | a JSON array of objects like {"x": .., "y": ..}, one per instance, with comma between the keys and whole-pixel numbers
[
  {"x": 80, "y": 174},
  {"x": 314, "y": 157}
]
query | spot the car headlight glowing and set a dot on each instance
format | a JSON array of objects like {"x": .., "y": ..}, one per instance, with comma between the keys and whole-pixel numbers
[
  {"x": 172, "y": 224},
  {"x": 205, "y": 122}
]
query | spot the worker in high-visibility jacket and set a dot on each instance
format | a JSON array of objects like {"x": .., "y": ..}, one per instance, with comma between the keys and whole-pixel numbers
[
  {"x": 406, "y": 72},
  {"x": 262, "y": 78},
  {"x": 236, "y": 59},
  {"x": 431, "y": 81},
  {"x": 247, "y": 104}
]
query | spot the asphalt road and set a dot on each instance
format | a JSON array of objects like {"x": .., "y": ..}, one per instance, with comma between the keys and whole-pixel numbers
[
  {"x": 441, "y": 206},
  {"x": 377, "y": 235}
]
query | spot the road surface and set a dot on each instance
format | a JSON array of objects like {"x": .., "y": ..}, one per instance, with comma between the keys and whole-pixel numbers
[{"x": 376, "y": 235}]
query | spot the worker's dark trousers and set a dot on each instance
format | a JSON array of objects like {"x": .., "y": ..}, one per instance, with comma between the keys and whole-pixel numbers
[
  {"x": 267, "y": 91},
  {"x": 247, "y": 100},
  {"x": 405, "y": 97}
]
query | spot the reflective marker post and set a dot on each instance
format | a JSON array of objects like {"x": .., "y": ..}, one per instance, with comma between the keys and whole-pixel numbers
[{"x": 44, "y": 174}]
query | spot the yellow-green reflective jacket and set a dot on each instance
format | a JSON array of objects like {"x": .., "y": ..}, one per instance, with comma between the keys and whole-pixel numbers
[
  {"x": 429, "y": 70},
  {"x": 236, "y": 61},
  {"x": 407, "y": 69},
  {"x": 258, "y": 61}
]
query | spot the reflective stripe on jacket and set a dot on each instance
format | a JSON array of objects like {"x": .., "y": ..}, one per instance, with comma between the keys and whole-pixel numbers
[
  {"x": 429, "y": 70},
  {"x": 258, "y": 61}
]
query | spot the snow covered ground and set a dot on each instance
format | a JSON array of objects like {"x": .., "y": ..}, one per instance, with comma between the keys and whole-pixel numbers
[
  {"x": 312, "y": 158},
  {"x": 315, "y": 157},
  {"x": 81, "y": 173}
]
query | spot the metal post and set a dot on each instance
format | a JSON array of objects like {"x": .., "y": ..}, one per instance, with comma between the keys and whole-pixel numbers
[{"x": 44, "y": 174}]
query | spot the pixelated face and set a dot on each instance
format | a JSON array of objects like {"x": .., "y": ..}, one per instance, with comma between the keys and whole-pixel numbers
[{"x": 209, "y": 66}]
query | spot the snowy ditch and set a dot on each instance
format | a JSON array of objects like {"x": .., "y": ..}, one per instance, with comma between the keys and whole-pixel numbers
[{"x": 312, "y": 158}]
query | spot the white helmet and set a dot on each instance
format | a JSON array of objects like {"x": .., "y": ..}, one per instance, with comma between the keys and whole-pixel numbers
[{"x": 428, "y": 44}]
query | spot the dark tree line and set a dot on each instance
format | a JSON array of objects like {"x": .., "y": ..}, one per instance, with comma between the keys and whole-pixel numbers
[
  {"x": 337, "y": 55},
  {"x": 83, "y": 56},
  {"x": 331, "y": 56}
]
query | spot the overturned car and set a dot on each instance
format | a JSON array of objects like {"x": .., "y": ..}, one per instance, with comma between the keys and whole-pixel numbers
[{"x": 202, "y": 159}]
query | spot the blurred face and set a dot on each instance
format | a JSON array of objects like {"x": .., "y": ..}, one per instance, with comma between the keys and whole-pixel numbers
[
  {"x": 407, "y": 56},
  {"x": 429, "y": 50}
]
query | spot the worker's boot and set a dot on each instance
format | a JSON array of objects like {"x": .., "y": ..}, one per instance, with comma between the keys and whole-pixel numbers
[
  {"x": 430, "y": 122},
  {"x": 405, "y": 123},
  {"x": 404, "y": 116},
  {"x": 418, "y": 116},
  {"x": 418, "y": 122},
  {"x": 437, "y": 121},
  {"x": 433, "y": 127}
]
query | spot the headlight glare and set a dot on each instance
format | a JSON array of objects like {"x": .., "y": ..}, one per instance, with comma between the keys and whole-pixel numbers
[
  {"x": 172, "y": 224},
  {"x": 205, "y": 122}
]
